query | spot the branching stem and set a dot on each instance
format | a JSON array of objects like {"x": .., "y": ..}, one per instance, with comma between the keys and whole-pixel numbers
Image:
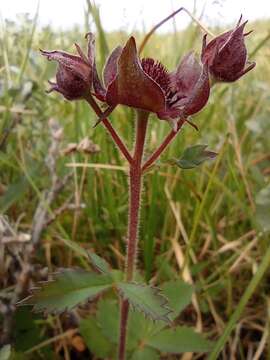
[
  {"x": 116, "y": 138},
  {"x": 156, "y": 154}
]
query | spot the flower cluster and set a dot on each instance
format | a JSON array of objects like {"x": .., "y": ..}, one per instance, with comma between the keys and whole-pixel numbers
[{"x": 145, "y": 83}]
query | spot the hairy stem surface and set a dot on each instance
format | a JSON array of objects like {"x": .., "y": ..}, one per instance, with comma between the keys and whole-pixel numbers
[
  {"x": 118, "y": 141},
  {"x": 135, "y": 182}
]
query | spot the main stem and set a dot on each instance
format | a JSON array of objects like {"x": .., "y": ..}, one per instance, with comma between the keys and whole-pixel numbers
[{"x": 135, "y": 187}]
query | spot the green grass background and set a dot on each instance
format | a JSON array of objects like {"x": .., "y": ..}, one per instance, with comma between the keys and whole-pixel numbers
[{"x": 216, "y": 216}]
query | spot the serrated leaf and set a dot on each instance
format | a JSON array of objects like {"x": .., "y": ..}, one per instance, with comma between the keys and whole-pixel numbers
[
  {"x": 147, "y": 299},
  {"x": 179, "y": 340},
  {"x": 99, "y": 264},
  {"x": 194, "y": 156},
  {"x": 69, "y": 288},
  {"x": 5, "y": 352},
  {"x": 145, "y": 354},
  {"x": 96, "y": 342},
  {"x": 179, "y": 295}
]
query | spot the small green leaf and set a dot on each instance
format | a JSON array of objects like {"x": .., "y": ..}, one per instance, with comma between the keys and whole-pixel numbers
[
  {"x": 179, "y": 340},
  {"x": 95, "y": 340},
  {"x": 145, "y": 354},
  {"x": 69, "y": 288},
  {"x": 194, "y": 156},
  {"x": 146, "y": 299},
  {"x": 99, "y": 264},
  {"x": 5, "y": 352}
]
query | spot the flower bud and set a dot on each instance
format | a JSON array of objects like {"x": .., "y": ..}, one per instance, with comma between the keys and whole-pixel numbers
[
  {"x": 74, "y": 75},
  {"x": 226, "y": 55}
]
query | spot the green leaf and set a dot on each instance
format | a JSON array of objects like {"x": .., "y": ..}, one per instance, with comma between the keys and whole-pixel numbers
[
  {"x": 69, "y": 288},
  {"x": 138, "y": 326},
  {"x": 117, "y": 275},
  {"x": 194, "y": 156},
  {"x": 179, "y": 340},
  {"x": 99, "y": 264},
  {"x": 5, "y": 352},
  {"x": 146, "y": 299},
  {"x": 178, "y": 294},
  {"x": 95, "y": 340},
  {"x": 108, "y": 320},
  {"x": 26, "y": 332},
  {"x": 145, "y": 354}
]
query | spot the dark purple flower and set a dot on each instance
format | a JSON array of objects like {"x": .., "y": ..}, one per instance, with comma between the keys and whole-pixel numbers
[
  {"x": 143, "y": 84},
  {"x": 146, "y": 84},
  {"x": 75, "y": 74},
  {"x": 226, "y": 54}
]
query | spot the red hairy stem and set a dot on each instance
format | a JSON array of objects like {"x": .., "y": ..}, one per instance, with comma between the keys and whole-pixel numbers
[
  {"x": 123, "y": 329},
  {"x": 156, "y": 154},
  {"x": 118, "y": 141},
  {"x": 135, "y": 182}
]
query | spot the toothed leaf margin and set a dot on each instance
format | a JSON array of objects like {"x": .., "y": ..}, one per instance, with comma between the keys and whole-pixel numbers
[
  {"x": 67, "y": 289},
  {"x": 147, "y": 299}
]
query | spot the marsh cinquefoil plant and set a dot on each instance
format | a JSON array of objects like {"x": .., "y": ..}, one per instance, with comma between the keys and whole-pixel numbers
[{"x": 146, "y": 86}]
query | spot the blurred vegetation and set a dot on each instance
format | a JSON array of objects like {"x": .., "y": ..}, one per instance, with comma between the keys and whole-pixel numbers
[{"x": 216, "y": 217}]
